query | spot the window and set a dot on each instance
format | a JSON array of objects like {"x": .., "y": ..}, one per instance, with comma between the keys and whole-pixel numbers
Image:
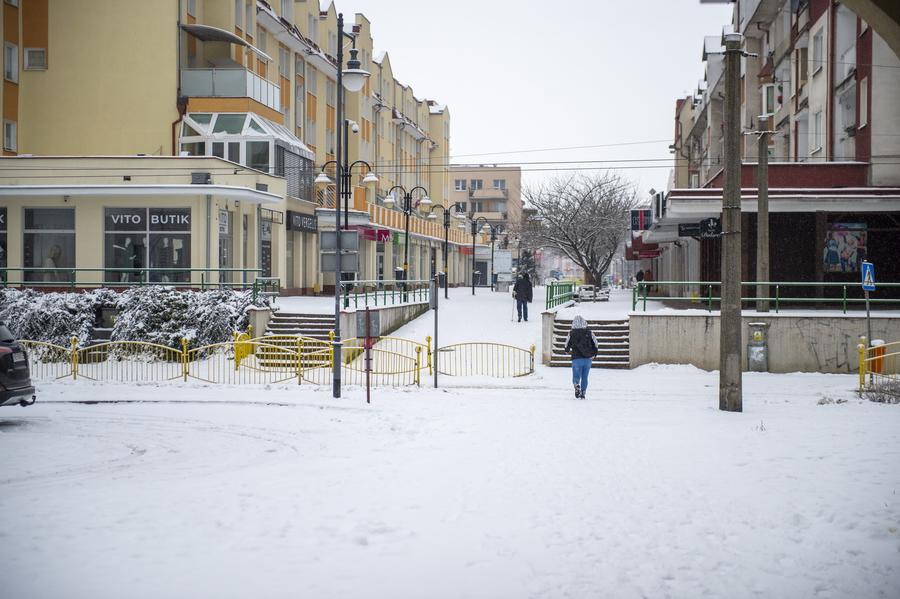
[
  {"x": 477, "y": 206},
  {"x": 459, "y": 207},
  {"x": 818, "y": 52},
  {"x": 768, "y": 99},
  {"x": 239, "y": 14},
  {"x": 192, "y": 7},
  {"x": 459, "y": 185},
  {"x": 864, "y": 102},
  {"x": 10, "y": 136},
  {"x": 475, "y": 184},
  {"x": 817, "y": 132},
  {"x": 287, "y": 10},
  {"x": 137, "y": 238},
  {"x": 35, "y": 59},
  {"x": 49, "y": 243},
  {"x": 258, "y": 155},
  {"x": 499, "y": 183},
  {"x": 10, "y": 62}
]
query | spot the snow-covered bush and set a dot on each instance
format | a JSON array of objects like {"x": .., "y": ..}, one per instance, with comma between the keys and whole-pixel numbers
[
  {"x": 165, "y": 316},
  {"x": 883, "y": 391},
  {"x": 154, "y": 314},
  {"x": 54, "y": 317}
]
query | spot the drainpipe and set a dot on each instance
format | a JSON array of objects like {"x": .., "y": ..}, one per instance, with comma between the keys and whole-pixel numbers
[
  {"x": 208, "y": 232},
  {"x": 181, "y": 102}
]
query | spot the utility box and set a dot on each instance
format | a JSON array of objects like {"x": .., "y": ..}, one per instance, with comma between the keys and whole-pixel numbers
[{"x": 758, "y": 348}]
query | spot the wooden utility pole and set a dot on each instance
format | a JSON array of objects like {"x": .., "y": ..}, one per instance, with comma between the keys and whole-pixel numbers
[
  {"x": 730, "y": 351},
  {"x": 762, "y": 217}
]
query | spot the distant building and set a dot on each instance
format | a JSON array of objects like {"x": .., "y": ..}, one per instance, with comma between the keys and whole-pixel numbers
[
  {"x": 205, "y": 130},
  {"x": 829, "y": 87}
]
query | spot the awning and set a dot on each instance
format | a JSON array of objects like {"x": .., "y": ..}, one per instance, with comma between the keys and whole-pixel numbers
[
  {"x": 229, "y": 192},
  {"x": 214, "y": 34}
]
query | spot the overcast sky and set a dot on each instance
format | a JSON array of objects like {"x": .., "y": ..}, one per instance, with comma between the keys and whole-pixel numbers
[{"x": 524, "y": 80}]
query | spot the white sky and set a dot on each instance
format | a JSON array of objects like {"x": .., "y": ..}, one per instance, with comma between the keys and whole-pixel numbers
[{"x": 525, "y": 76}]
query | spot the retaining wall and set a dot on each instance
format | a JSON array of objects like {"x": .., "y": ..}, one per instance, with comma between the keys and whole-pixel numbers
[{"x": 795, "y": 343}]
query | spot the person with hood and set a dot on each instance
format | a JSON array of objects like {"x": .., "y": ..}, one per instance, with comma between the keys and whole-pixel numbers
[
  {"x": 582, "y": 344},
  {"x": 522, "y": 293}
]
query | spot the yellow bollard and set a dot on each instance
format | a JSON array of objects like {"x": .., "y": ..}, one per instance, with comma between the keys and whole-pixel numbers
[{"x": 74, "y": 358}]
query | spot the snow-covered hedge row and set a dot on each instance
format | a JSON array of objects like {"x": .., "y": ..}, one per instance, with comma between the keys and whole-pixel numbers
[{"x": 155, "y": 314}]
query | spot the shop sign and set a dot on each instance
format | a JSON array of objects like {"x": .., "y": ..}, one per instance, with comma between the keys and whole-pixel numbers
[
  {"x": 298, "y": 221},
  {"x": 375, "y": 234}
]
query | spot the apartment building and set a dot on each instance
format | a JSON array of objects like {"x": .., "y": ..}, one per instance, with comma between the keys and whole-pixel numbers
[
  {"x": 827, "y": 86},
  {"x": 491, "y": 196},
  {"x": 123, "y": 119}
]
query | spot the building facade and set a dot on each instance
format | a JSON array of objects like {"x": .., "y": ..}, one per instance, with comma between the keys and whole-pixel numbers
[
  {"x": 223, "y": 111},
  {"x": 828, "y": 89}
]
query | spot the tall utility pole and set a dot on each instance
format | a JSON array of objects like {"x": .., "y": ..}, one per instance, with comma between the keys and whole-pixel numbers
[
  {"x": 730, "y": 351},
  {"x": 762, "y": 217}
]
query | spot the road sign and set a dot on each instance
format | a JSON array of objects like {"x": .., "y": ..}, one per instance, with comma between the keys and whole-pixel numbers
[{"x": 868, "y": 276}]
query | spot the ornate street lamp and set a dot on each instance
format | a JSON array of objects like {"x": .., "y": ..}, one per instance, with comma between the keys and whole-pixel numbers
[
  {"x": 407, "y": 209},
  {"x": 446, "y": 213},
  {"x": 353, "y": 79},
  {"x": 475, "y": 229}
]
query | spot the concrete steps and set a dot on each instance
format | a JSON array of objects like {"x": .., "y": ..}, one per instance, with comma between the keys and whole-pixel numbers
[
  {"x": 317, "y": 326},
  {"x": 612, "y": 339}
]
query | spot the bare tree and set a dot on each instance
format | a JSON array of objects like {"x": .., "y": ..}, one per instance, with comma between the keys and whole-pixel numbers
[{"x": 584, "y": 217}]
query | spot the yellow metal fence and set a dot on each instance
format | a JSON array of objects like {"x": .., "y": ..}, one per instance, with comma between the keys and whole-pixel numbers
[
  {"x": 879, "y": 363},
  {"x": 274, "y": 359}
]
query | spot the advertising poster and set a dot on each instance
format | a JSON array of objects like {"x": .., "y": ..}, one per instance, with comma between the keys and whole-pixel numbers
[{"x": 845, "y": 247}]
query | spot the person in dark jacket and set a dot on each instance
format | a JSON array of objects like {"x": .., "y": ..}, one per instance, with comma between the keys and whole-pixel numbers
[
  {"x": 582, "y": 344},
  {"x": 522, "y": 293}
]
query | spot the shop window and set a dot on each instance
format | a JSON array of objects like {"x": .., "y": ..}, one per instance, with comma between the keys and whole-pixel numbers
[
  {"x": 49, "y": 243},
  {"x": 142, "y": 238}
]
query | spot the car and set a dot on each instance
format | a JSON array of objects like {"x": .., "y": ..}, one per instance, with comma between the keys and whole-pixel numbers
[{"x": 15, "y": 378}]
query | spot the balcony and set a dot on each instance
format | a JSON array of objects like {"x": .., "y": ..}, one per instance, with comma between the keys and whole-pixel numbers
[{"x": 230, "y": 83}]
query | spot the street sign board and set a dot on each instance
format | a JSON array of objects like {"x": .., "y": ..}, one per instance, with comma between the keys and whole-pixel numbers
[
  {"x": 868, "y": 276},
  {"x": 641, "y": 220},
  {"x": 710, "y": 228},
  {"x": 689, "y": 229}
]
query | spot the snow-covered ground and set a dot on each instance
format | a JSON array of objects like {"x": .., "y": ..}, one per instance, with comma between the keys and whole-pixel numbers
[{"x": 482, "y": 488}]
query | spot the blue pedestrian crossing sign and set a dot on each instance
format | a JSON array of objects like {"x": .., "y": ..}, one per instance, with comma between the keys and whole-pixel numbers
[{"x": 868, "y": 276}]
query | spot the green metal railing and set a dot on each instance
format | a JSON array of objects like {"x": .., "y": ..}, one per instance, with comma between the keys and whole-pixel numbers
[
  {"x": 138, "y": 277},
  {"x": 639, "y": 294},
  {"x": 384, "y": 293},
  {"x": 559, "y": 293}
]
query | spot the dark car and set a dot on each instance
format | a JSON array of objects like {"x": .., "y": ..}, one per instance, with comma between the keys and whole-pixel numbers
[{"x": 15, "y": 380}]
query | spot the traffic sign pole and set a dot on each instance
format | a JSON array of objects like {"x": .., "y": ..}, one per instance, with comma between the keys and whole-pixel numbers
[{"x": 868, "y": 284}]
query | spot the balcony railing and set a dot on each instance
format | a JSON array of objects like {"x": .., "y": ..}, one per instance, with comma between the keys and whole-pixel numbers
[{"x": 229, "y": 83}]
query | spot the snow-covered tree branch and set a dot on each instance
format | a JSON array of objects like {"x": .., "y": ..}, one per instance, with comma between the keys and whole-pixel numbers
[{"x": 583, "y": 217}]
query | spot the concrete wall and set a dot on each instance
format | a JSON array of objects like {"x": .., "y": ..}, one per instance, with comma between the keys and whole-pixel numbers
[
  {"x": 795, "y": 343},
  {"x": 392, "y": 318}
]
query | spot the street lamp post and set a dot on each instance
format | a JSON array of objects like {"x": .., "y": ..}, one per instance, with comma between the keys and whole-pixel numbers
[
  {"x": 475, "y": 228},
  {"x": 445, "y": 252},
  {"x": 407, "y": 209},
  {"x": 494, "y": 232},
  {"x": 353, "y": 79}
]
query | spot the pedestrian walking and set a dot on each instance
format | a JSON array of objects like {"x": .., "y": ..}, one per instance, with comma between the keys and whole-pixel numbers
[
  {"x": 522, "y": 293},
  {"x": 582, "y": 344}
]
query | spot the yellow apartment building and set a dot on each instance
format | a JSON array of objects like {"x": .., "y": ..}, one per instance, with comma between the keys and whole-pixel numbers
[{"x": 188, "y": 134}]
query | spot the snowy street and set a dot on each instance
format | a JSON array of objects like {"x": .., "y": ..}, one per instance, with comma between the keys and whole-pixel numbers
[{"x": 482, "y": 488}]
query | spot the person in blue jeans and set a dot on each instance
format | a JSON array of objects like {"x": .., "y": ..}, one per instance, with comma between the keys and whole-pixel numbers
[
  {"x": 523, "y": 294},
  {"x": 582, "y": 344}
]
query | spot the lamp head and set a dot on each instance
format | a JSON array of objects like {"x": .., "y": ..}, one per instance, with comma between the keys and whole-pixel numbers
[
  {"x": 323, "y": 180},
  {"x": 370, "y": 179},
  {"x": 425, "y": 204},
  {"x": 389, "y": 201},
  {"x": 354, "y": 77}
]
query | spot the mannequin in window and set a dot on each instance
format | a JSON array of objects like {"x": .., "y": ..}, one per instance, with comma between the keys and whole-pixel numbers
[
  {"x": 164, "y": 259},
  {"x": 50, "y": 274},
  {"x": 126, "y": 256}
]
